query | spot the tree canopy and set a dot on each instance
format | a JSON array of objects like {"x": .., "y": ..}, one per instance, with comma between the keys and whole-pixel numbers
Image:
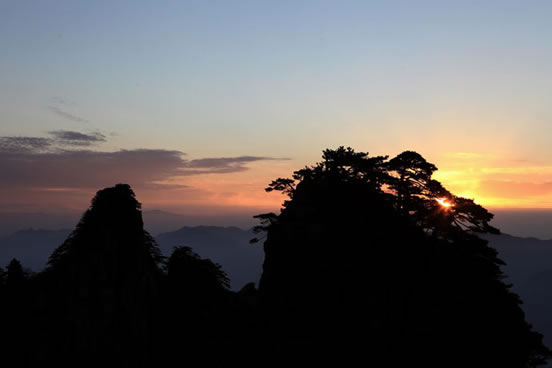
[
  {"x": 377, "y": 246},
  {"x": 194, "y": 273}
]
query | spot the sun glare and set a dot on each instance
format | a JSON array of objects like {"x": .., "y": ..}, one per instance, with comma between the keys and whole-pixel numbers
[{"x": 443, "y": 202}]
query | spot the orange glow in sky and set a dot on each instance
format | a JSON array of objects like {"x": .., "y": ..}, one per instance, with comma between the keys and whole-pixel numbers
[
  {"x": 200, "y": 116},
  {"x": 495, "y": 180},
  {"x": 491, "y": 180}
]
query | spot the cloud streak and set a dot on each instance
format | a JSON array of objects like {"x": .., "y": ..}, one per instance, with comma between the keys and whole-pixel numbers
[
  {"x": 24, "y": 144},
  {"x": 66, "y": 115},
  {"x": 222, "y": 165},
  {"x": 34, "y": 163},
  {"x": 73, "y": 138},
  {"x": 57, "y": 140},
  {"x": 87, "y": 169}
]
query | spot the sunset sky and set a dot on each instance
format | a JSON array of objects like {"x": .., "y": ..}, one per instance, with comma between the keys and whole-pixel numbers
[{"x": 199, "y": 104}]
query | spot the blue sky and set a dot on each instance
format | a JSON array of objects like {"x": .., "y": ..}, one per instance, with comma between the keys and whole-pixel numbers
[{"x": 286, "y": 79}]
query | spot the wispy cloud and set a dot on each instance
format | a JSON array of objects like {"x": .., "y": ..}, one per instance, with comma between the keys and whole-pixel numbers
[
  {"x": 87, "y": 169},
  {"x": 24, "y": 144},
  {"x": 73, "y": 138},
  {"x": 58, "y": 100},
  {"x": 57, "y": 139},
  {"x": 222, "y": 165},
  {"x": 67, "y": 115},
  {"x": 56, "y": 162}
]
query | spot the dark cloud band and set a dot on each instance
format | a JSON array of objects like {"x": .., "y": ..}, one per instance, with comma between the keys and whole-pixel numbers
[
  {"x": 58, "y": 139},
  {"x": 222, "y": 165},
  {"x": 30, "y": 163},
  {"x": 77, "y": 138},
  {"x": 24, "y": 144}
]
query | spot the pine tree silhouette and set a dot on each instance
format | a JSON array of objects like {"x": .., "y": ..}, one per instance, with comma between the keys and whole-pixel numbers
[
  {"x": 196, "y": 311},
  {"x": 15, "y": 304},
  {"x": 109, "y": 298},
  {"x": 15, "y": 275},
  {"x": 98, "y": 287},
  {"x": 371, "y": 260}
]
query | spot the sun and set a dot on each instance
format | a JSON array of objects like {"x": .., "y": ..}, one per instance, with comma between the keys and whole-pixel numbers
[{"x": 443, "y": 202}]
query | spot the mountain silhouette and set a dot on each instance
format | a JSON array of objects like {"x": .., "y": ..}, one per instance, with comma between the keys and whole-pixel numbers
[
  {"x": 370, "y": 261},
  {"x": 96, "y": 290},
  {"x": 108, "y": 297}
]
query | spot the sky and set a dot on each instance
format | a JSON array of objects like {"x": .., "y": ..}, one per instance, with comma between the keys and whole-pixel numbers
[{"x": 200, "y": 104}]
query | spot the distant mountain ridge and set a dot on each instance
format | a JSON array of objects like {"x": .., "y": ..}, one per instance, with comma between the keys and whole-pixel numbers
[
  {"x": 228, "y": 246},
  {"x": 155, "y": 221},
  {"x": 31, "y": 246},
  {"x": 528, "y": 260},
  {"x": 529, "y": 268}
]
